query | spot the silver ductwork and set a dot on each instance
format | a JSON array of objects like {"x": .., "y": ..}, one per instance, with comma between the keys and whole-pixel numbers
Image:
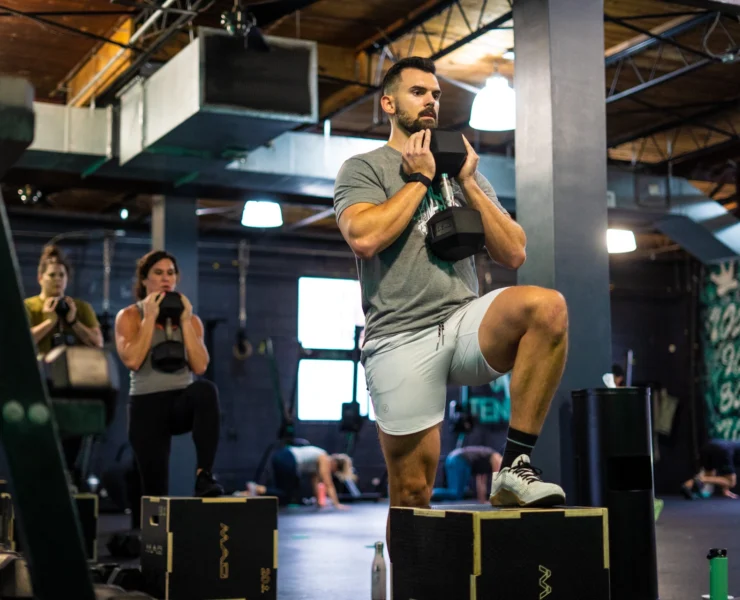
[
  {"x": 67, "y": 138},
  {"x": 217, "y": 100}
]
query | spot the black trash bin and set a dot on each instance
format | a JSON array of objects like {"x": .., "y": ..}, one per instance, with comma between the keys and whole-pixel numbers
[{"x": 614, "y": 469}]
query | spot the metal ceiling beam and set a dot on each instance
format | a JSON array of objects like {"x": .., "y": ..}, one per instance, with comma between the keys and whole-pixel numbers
[
  {"x": 391, "y": 35},
  {"x": 495, "y": 24},
  {"x": 665, "y": 38},
  {"x": 319, "y": 216},
  {"x": 659, "y": 16},
  {"x": 658, "y": 81},
  {"x": 653, "y": 39},
  {"x": 730, "y": 7},
  {"x": 436, "y": 54},
  {"x": 663, "y": 127},
  {"x": 728, "y": 149},
  {"x": 646, "y": 83},
  {"x": 61, "y": 180}
]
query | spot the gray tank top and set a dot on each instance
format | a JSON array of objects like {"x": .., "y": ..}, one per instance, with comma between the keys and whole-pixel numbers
[
  {"x": 148, "y": 380},
  {"x": 307, "y": 458}
]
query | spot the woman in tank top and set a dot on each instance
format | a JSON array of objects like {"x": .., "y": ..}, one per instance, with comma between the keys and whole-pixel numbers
[{"x": 166, "y": 402}]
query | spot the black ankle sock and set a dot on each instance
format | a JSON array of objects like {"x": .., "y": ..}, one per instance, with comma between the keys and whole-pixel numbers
[{"x": 517, "y": 443}]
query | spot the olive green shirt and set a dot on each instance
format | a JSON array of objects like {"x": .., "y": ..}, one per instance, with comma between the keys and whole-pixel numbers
[{"x": 36, "y": 316}]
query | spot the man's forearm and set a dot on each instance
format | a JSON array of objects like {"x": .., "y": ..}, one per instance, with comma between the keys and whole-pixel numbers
[
  {"x": 374, "y": 229},
  {"x": 196, "y": 351},
  {"x": 505, "y": 239}
]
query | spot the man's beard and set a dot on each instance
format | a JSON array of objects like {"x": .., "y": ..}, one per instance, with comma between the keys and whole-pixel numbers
[{"x": 415, "y": 125}]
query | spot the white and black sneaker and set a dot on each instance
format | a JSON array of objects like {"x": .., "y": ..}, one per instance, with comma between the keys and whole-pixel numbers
[{"x": 520, "y": 485}]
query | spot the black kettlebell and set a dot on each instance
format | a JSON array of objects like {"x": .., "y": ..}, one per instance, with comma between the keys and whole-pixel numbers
[
  {"x": 169, "y": 356},
  {"x": 62, "y": 308},
  {"x": 170, "y": 309}
]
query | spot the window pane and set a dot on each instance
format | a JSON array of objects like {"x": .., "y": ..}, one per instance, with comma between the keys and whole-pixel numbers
[
  {"x": 324, "y": 385},
  {"x": 328, "y": 310}
]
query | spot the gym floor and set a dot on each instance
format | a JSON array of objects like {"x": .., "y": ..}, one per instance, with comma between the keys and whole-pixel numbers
[{"x": 328, "y": 555}]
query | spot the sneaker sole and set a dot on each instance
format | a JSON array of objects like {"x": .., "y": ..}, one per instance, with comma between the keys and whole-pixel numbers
[{"x": 506, "y": 498}]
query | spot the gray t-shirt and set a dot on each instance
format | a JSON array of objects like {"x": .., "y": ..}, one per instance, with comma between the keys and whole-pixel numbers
[{"x": 405, "y": 287}]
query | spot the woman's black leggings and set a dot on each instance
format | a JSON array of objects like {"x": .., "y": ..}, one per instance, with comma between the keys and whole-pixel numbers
[
  {"x": 155, "y": 418},
  {"x": 285, "y": 474}
]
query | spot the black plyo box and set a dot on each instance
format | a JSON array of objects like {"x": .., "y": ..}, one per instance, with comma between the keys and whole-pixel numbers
[
  {"x": 473, "y": 552},
  {"x": 223, "y": 548}
]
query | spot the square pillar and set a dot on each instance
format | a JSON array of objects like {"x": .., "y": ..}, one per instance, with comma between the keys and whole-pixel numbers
[{"x": 561, "y": 193}]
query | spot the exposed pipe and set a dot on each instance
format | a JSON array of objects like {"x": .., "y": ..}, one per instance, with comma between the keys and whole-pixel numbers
[
  {"x": 145, "y": 241},
  {"x": 139, "y": 32}
]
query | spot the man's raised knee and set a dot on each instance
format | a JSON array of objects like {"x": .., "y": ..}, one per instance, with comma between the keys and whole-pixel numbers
[
  {"x": 415, "y": 495},
  {"x": 549, "y": 312}
]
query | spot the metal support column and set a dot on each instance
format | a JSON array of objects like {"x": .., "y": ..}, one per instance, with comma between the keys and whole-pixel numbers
[{"x": 561, "y": 193}]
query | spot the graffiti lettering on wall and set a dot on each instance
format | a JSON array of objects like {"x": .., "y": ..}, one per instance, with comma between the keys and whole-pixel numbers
[
  {"x": 720, "y": 318},
  {"x": 491, "y": 404}
]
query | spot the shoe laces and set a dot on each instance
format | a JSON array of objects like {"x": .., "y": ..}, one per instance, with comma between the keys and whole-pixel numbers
[{"x": 527, "y": 472}]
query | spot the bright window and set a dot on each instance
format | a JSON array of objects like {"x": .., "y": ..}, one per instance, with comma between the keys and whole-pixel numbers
[{"x": 328, "y": 311}]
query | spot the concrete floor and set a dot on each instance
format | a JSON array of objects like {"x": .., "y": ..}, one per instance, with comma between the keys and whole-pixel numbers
[{"x": 328, "y": 554}]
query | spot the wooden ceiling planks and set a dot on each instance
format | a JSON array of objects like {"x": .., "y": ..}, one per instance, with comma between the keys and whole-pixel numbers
[
  {"x": 45, "y": 54},
  {"x": 615, "y": 34},
  {"x": 343, "y": 23}
]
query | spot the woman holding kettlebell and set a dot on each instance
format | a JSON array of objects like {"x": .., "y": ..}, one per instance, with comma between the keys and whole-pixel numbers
[{"x": 160, "y": 341}]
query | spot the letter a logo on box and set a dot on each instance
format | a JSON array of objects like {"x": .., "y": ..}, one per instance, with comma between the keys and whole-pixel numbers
[{"x": 544, "y": 586}]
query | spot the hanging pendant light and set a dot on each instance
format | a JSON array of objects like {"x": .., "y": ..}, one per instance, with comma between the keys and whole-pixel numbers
[
  {"x": 262, "y": 214},
  {"x": 494, "y": 107}
]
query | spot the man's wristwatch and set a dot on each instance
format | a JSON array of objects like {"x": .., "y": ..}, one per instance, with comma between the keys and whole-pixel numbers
[{"x": 420, "y": 178}]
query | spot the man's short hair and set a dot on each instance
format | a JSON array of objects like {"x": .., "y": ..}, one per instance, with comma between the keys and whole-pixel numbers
[{"x": 412, "y": 62}]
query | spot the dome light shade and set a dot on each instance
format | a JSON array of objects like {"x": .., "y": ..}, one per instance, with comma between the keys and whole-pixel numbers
[
  {"x": 262, "y": 213},
  {"x": 494, "y": 107}
]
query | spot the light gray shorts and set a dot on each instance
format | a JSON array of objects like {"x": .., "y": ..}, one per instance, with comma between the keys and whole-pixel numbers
[{"x": 407, "y": 373}]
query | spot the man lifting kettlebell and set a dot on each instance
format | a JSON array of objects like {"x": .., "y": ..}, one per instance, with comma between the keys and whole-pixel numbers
[
  {"x": 160, "y": 341},
  {"x": 426, "y": 326}
]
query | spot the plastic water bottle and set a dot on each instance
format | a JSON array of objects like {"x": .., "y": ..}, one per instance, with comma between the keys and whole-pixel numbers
[
  {"x": 718, "y": 575},
  {"x": 378, "y": 581}
]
